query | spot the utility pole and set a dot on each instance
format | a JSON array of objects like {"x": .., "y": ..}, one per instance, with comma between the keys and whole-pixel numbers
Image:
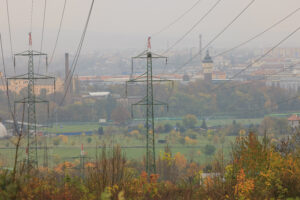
[
  {"x": 31, "y": 100},
  {"x": 82, "y": 162},
  {"x": 149, "y": 102}
]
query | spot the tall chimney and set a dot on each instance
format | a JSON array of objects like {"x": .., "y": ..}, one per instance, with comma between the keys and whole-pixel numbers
[
  {"x": 66, "y": 66},
  {"x": 68, "y": 76}
]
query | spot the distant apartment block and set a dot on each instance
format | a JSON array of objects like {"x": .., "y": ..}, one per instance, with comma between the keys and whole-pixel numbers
[
  {"x": 285, "y": 52},
  {"x": 289, "y": 80}
]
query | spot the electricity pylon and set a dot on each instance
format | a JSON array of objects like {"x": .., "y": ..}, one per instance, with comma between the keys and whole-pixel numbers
[
  {"x": 149, "y": 102},
  {"x": 31, "y": 100}
]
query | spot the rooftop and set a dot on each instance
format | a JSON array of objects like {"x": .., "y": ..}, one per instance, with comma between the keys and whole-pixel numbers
[
  {"x": 207, "y": 58},
  {"x": 294, "y": 118}
]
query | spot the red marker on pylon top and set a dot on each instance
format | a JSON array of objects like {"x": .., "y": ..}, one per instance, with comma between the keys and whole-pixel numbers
[
  {"x": 30, "y": 39},
  {"x": 82, "y": 151}
]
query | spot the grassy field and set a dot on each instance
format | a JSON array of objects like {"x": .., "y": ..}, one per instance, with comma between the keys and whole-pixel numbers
[
  {"x": 80, "y": 127},
  {"x": 132, "y": 147}
]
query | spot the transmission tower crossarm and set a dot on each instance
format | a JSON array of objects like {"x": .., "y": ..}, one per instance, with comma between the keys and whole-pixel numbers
[
  {"x": 141, "y": 80},
  {"x": 31, "y": 52},
  {"x": 36, "y": 76},
  {"x": 37, "y": 100}
]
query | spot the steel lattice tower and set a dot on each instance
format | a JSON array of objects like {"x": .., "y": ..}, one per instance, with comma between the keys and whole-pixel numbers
[
  {"x": 149, "y": 102},
  {"x": 31, "y": 100}
]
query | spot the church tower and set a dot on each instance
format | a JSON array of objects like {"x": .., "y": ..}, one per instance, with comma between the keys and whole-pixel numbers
[{"x": 207, "y": 65}]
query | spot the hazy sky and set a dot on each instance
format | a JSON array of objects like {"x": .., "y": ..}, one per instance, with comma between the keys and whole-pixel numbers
[{"x": 127, "y": 23}]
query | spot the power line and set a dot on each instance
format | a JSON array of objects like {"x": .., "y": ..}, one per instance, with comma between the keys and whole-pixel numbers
[
  {"x": 257, "y": 60},
  {"x": 75, "y": 60},
  {"x": 228, "y": 25},
  {"x": 272, "y": 105},
  {"x": 259, "y": 34},
  {"x": 42, "y": 38},
  {"x": 56, "y": 42},
  {"x": 262, "y": 56},
  {"x": 9, "y": 30},
  {"x": 177, "y": 19},
  {"x": 193, "y": 27},
  {"x": 7, "y": 92},
  {"x": 263, "y": 78},
  {"x": 74, "y": 63},
  {"x": 58, "y": 33},
  {"x": 217, "y": 36}
]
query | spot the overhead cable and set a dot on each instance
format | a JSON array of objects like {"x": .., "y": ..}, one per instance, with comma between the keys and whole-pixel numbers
[
  {"x": 58, "y": 33},
  {"x": 177, "y": 19},
  {"x": 193, "y": 27}
]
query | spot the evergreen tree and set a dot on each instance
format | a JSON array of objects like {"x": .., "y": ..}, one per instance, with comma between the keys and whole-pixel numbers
[{"x": 204, "y": 126}]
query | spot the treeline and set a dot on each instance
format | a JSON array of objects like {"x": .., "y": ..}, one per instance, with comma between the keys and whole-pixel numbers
[
  {"x": 234, "y": 99},
  {"x": 231, "y": 99}
]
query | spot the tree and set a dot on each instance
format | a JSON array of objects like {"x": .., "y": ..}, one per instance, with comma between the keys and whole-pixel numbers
[
  {"x": 204, "y": 126},
  {"x": 191, "y": 133},
  {"x": 168, "y": 127},
  {"x": 180, "y": 127},
  {"x": 89, "y": 140},
  {"x": 233, "y": 129},
  {"x": 56, "y": 141},
  {"x": 209, "y": 149},
  {"x": 180, "y": 161},
  {"x": 120, "y": 115},
  {"x": 100, "y": 130},
  {"x": 189, "y": 121},
  {"x": 273, "y": 125},
  {"x": 110, "y": 106}
]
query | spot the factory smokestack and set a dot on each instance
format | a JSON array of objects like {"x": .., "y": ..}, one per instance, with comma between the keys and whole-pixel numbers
[
  {"x": 68, "y": 77},
  {"x": 66, "y": 66}
]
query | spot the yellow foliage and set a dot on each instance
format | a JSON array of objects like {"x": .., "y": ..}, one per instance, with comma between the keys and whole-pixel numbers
[
  {"x": 193, "y": 170},
  {"x": 242, "y": 133},
  {"x": 168, "y": 158},
  {"x": 180, "y": 161},
  {"x": 199, "y": 153},
  {"x": 216, "y": 139},
  {"x": 189, "y": 140},
  {"x": 64, "y": 138},
  {"x": 121, "y": 195},
  {"x": 244, "y": 186},
  {"x": 135, "y": 133},
  {"x": 14, "y": 140}
]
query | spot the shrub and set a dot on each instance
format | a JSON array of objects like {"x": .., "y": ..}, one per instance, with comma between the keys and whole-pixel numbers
[
  {"x": 168, "y": 127},
  {"x": 89, "y": 140},
  {"x": 189, "y": 121},
  {"x": 209, "y": 149},
  {"x": 56, "y": 141},
  {"x": 100, "y": 130}
]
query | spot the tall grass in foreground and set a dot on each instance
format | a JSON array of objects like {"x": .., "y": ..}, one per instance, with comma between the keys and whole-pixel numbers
[{"x": 257, "y": 170}]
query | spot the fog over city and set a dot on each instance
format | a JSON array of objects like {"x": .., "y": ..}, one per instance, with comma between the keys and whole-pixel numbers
[{"x": 117, "y": 24}]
